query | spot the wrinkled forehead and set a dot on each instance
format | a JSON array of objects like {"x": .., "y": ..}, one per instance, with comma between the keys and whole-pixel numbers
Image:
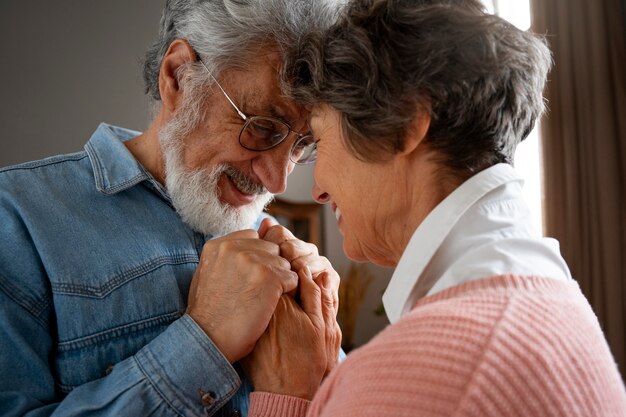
[
  {"x": 265, "y": 67},
  {"x": 323, "y": 113},
  {"x": 324, "y": 119}
]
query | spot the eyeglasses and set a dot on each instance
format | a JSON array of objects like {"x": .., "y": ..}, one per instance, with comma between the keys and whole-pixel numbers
[{"x": 261, "y": 133}]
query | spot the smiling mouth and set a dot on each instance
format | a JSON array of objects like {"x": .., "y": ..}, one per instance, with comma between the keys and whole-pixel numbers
[
  {"x": 336, "y": 211},
  {"x": 243, "y": 183},
  {"x": 236, "y": 185}
]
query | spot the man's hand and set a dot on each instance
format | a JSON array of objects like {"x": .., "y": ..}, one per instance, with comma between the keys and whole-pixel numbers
[
  {"x": 236, "y": 288},
  {"x": 301, "y": 254}
]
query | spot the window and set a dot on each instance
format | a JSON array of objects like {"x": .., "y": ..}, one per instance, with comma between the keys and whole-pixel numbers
[
  {"x": 515, "y": 11},
  {"x": 528, "y": 154}
]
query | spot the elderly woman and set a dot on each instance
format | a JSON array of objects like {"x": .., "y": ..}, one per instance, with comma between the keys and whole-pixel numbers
[{"x": 418, "y": 106}]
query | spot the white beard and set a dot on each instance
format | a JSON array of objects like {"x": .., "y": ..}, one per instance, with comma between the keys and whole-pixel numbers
[{"x": 195, "y": 194}]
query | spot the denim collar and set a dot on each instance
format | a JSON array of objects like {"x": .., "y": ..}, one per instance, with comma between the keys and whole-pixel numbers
[{"x": 115, "y": 168}]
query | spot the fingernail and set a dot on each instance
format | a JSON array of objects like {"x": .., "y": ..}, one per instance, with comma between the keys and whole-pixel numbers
[{"x": 307, "y": 272}]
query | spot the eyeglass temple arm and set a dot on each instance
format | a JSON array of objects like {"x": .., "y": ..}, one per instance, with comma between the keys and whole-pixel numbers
[{"x": 241, "y": 114}]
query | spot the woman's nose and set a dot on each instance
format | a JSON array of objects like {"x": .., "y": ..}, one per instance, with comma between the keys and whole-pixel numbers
[{"x": 318, "y": 195}]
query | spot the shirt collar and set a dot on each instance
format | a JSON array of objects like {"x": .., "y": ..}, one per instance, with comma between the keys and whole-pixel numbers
[
  {"x": 432, "y": 232},
  {"x": 114, "y": 166}
]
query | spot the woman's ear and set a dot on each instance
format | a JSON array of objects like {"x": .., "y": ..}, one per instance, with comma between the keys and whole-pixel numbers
[
  {"x": 178, "y": 54},
  {"x": 417, "y": 130}
]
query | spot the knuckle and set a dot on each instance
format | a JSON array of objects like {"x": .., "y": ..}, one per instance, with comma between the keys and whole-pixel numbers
[
  {"x": 288, "y": 249},
  {"x": 277, "y": 233},
  {"x": 226, "y": 246},
  {"x": 284, "y": 263},
  {"x": 208, "y": 245},
  {"x": 249, "y": 258},
  {"x": 314, "y": 250},
  {"x": 298, "y": 264},
  {"x": 325, "y": 261},
  {"x": 275, "y": 271}
]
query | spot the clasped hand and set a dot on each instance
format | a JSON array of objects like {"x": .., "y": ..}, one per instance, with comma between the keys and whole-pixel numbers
[{"x": 243, "y": 295}]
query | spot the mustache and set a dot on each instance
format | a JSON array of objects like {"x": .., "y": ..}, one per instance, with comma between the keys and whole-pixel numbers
[{"x": 243, "y": 182}]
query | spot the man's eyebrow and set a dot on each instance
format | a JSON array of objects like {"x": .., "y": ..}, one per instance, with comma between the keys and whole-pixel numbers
[{"x": 278, "y": 113}]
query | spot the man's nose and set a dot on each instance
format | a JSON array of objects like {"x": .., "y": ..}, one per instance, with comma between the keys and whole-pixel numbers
[{"x": 273, "y": 167}]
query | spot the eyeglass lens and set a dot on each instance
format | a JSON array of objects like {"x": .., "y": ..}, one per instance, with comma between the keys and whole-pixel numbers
[
  {"x": 261, "y": 133},
  {"x": 304, "y": 150}
]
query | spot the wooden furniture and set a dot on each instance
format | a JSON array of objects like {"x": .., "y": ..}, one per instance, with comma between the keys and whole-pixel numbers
[{"x": 303, "y": 219}]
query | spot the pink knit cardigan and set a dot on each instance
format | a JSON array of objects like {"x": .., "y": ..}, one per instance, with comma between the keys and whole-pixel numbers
[{"x": 501, "y": 346}]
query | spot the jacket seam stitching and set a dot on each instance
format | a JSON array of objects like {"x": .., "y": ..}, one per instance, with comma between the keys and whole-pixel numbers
[{"x": 102, "y": 291}]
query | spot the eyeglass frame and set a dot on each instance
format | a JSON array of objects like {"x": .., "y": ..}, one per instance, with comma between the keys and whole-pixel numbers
[{"x": 249, "y": 118}]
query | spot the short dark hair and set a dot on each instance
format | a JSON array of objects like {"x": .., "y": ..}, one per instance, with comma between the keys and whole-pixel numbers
[{"x": 480, "y": 78}]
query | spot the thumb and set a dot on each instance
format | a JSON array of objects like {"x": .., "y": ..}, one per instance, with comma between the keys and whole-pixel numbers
[
  {"x": 310, "y": 297},
  {"x": 265, "y": 225}
]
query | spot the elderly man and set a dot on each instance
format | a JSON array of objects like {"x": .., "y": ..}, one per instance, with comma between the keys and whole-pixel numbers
[{"x": 115, "y": 298}]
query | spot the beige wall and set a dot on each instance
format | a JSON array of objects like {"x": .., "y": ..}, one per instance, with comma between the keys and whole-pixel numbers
[{"x": 65, "y": 67}]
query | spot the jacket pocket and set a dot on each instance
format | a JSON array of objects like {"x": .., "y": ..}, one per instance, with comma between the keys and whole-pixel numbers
[{"x": 103, "y": 324}]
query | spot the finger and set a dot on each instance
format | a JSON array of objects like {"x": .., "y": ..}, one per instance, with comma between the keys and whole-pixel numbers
[
  {"x": 331, "y": 328},
  {"x": 316, "y": 263},
  {"x": 329, "y": 280},
  {"x": 289, "y": 281},
  {"x": 278, "y": 234},
  {"x": 333, "y": 346},
  {"x": 265, "y": 226},
  {"x": 229, "y": 246},
  {"x": 310, "y": 297},
  {"x": 291, "y": 286},
  {"x": 296, "y": 248},
  {"x": 254, "y": 258},
  {"x": 328, "y": 303},
  {"x": 267, "y": 268}
]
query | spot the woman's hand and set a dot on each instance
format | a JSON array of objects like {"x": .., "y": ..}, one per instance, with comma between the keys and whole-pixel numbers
[
  {"x": 290, "y": 358},
  {"x": 301, "y": 254}
]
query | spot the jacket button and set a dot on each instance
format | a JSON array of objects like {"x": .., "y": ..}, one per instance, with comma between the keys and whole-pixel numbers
[
  {"x": 235, "y": 413},
  {"x": 108, "y": 369},
  {"x": 207, "y": 398}
]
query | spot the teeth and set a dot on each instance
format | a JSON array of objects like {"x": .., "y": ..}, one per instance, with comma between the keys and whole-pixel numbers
[
  {"x": 337, "y": 213},
  {"x": 237, "y": 186}
]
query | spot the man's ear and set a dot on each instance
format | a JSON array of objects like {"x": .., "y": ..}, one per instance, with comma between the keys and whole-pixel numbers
[
  {"x": 417, "y": 130},
  {"x": 178, "y": 54}
]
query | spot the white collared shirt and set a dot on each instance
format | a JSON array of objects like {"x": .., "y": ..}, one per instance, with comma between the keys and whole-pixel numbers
[{"x": 482, "y": 229}]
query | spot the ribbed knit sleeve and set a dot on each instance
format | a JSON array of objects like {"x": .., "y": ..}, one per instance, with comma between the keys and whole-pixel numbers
[
  {"x": 265, "y": 404},
  {"x": 501, "y": 346}
]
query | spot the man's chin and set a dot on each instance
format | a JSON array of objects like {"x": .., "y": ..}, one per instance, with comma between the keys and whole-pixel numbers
[
  {"x": 256, "y": 202},
  {"x": 225, "y": 218}
]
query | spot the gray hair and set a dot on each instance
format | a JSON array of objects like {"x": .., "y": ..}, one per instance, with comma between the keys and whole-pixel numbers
[
  {"x": 480, "y": 78},
  {"x": 226, "y": 33}
]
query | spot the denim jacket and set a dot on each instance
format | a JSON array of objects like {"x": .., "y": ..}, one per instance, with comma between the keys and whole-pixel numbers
[{"x": 95, "y": 267}]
